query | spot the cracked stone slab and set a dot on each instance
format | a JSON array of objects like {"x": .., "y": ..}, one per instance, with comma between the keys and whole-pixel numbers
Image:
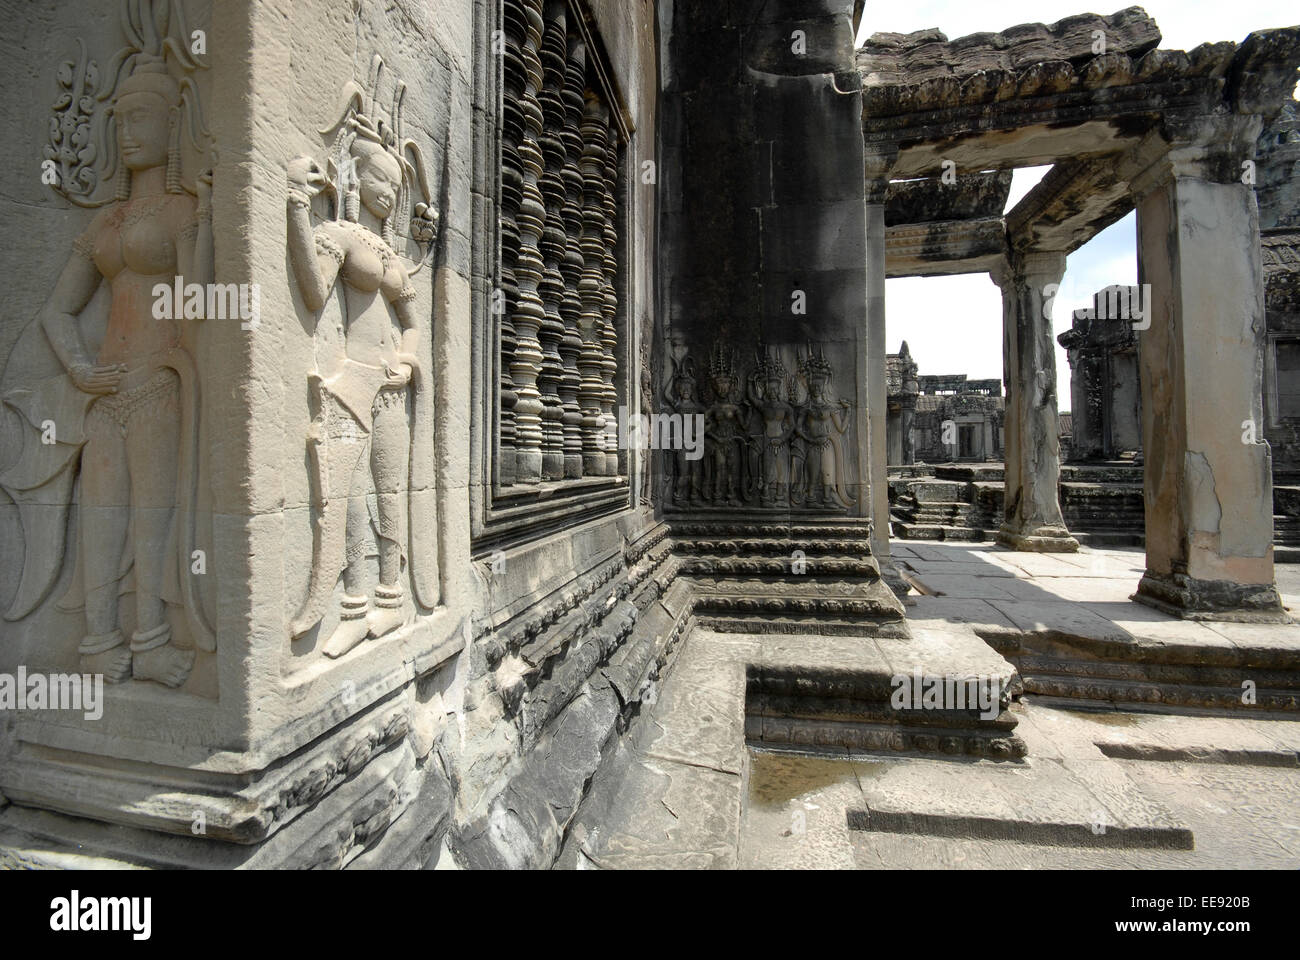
[
  {"x": 1063, "y": 804},
  {"x": 965, "y": 587},
  {"x": 954, "y": 610}
]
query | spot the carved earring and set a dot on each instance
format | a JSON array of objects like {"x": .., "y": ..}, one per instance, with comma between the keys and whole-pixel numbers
[
  {"x": 123, "y": 184},
  {"x": 174, "y": 153}
]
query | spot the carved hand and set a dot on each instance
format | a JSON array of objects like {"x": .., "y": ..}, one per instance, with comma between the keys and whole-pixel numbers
[
  {"x": 97, "y": 379},
  {"x": 306, "y": 176},
  {"x": 398, "y": 376},
  {"x": 203, "y": 184}
]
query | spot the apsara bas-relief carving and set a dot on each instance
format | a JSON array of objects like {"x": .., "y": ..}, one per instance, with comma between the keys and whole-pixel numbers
[
  {"x": 681, "y": 398},
  {"x": 771, "y": 438},
  {"x": 106, "y": 402},
  {"x": 81, "y": 154},
  {"x": 371, "y": 442}
]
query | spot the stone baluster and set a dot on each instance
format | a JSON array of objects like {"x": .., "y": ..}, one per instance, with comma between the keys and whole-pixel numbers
[
  {"x": 529, "y": 311},
  {"x": 609, "y": 265},
  {"x": 512, "y": 179},
  {"x": 554, "y": 242},
  {"x": 591, "y": 362},
  {"x": 572, "y": 266}
]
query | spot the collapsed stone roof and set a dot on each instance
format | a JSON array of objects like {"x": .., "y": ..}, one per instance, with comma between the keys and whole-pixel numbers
[
  {"x": 930, "y": 199},
  {"x": 922, "y": 86},
  {"x": 897, "y": 59}
]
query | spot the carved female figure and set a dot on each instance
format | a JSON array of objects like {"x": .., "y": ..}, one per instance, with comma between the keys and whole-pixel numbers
[
  {"x": 765, "y": 390},
  {"x": 820, "y": 423},
  {"x": 726, "y": 426},
  {"x": 128, "y": 408},
  {"x": 681, "y": 397},
  {"x": 367, "y": 388}
]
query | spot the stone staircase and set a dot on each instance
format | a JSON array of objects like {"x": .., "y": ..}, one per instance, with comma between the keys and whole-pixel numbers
[
  {"x": 1286, "y": 524},
  {"x": 1102, "y": 505},
  {"x": 942, "y": 508},
  {"x": 761, "y": 574}
]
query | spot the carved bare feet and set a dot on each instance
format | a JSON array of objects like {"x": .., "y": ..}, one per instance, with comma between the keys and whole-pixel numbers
[
  {"x": 352, "y": 628},
  {"x": 114, "y": 664},
  {"x": 166, "y": 664},
  {"x": 387, "y": 615},
  {"x": 381, "y": 621}
]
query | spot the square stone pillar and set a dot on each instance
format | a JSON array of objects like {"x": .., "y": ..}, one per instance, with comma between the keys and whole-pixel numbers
[
  {"x": 877, "y": 180},
  {"x": 1031, "y": 502},
  {"x": 1208, "y": 481}
]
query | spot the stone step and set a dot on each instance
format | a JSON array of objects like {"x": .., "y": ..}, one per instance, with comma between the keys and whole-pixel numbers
[
  {"x": 829, "y": 695},
  {"x": 1137, "y": 673},
  {"x": 1117, "y": 473},
  {"x": 1077, "y": 803},
  {"x": 956, "y": 514},
  {"x": 1286, "y": 500},
  {"x": 937, "y": 491},
  {"x": 973, "y": 472},
  {"x": 832, "y": 604},
  {"x": 927, "y": 531}
]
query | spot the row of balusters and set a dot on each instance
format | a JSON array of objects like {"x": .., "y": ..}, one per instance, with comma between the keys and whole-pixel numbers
[{"x": 559, "y": 260}]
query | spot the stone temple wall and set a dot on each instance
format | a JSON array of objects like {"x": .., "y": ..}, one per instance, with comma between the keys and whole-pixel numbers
[
  {"x": 763, "y": 222},
  {"x": 260, "y": 501}
]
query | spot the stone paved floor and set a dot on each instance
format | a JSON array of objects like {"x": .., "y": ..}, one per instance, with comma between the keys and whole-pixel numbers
[
  {"x": 1086, "y": 593},
  {"x": 683, "y": 790}
]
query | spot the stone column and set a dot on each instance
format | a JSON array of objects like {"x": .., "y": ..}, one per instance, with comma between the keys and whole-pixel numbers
[
  {"x": 1208, "y": 480},
  {"x": 877, "y": 177},
  {"x": 1031, "y": 502}
]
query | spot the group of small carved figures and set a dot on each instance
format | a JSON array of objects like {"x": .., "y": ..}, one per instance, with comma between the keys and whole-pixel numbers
[{"x": 773, "y": 439}]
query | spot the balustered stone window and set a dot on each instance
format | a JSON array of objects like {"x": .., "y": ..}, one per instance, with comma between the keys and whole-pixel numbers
[
  {"x": 559, "y": 303},
  {"x": 1286, "y": 363}
]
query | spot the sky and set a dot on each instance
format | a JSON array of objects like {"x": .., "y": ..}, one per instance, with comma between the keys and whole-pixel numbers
[{"x": 954, "y": 324}]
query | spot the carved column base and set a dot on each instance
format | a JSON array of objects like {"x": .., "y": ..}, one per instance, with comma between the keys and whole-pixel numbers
[
  {"x": 1038, "y": 539},
  {"x": 1186, "y": 597}
]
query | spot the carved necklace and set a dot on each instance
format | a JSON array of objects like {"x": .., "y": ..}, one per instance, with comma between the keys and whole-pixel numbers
[
  {"x": 135, "y": 211},
  {"x": 376, "y": 245}
]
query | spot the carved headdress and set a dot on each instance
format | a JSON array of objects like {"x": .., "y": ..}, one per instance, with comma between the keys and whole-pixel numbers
[
  {"x": 360, "y": 131},
  {"x": 769, "y": 365},
  {"x": 814, "y": 366},
  {"x": 158, "y": 58},
  {"x": 722, "y": 362}
]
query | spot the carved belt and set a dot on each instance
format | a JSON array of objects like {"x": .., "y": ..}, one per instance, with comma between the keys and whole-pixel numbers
[{"x": 122, "y": 407}]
